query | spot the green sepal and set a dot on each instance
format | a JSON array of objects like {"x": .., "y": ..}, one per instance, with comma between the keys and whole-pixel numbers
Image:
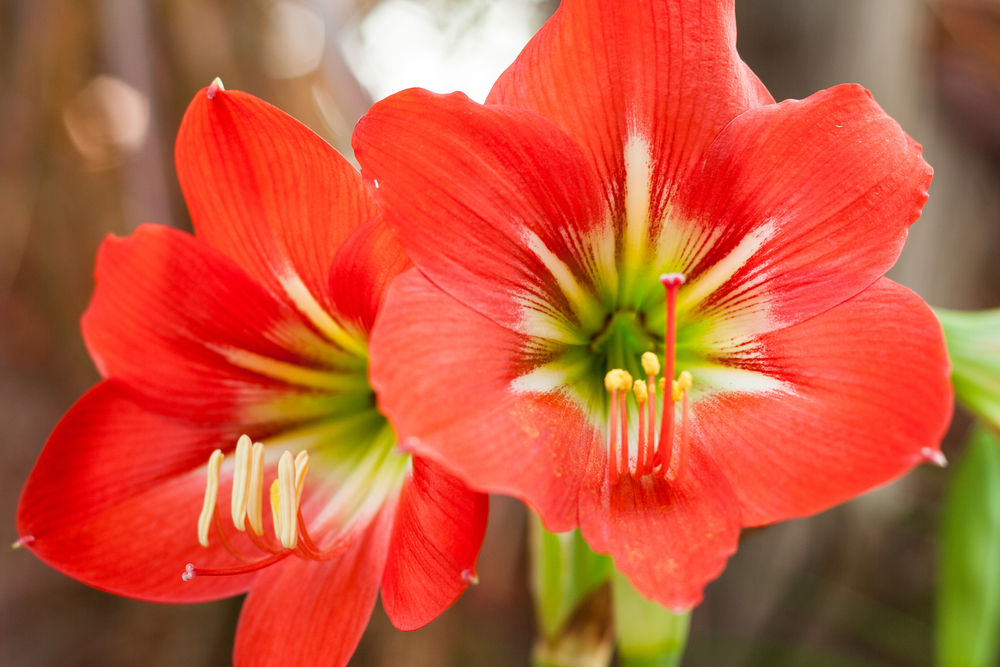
[
  {"x": 649, "y": 635},
  {"x": 967, "y": 623},
  {"x": 974, "y": 347}
]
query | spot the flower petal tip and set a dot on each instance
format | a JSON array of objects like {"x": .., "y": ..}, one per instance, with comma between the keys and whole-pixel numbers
[
  {"x": 215, "y": 87},
  {"x": 409, "y": 444},
  {"x": 470, "y": 577},
  {"x": 934, "y": 456},
  {"x": 23, "y": 542}
]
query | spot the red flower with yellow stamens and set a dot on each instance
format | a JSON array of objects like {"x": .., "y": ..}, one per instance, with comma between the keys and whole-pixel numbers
[
  {"x": 257, "y": 325},
  {"x": 629, "y": 144}
]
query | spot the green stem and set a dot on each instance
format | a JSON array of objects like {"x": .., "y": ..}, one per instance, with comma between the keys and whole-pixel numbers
[{"x": 648, "y": 634}]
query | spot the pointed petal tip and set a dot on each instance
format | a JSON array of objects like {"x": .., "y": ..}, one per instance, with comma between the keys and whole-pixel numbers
[
  {"x": 23, "y": 542},
  {"x": 215, "y": 87},
  {"x": 934, "y": 456},
  {"x": 470, "y": 577},
  {"x": 409, "y": 444}
]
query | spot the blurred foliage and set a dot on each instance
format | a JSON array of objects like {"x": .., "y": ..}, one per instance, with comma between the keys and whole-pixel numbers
[
  {"x": 974, "y": 347},
  {"x": 967, "y": 623}
]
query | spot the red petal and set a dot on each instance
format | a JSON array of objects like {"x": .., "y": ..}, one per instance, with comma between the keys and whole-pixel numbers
[
  {"x": 439, "y": 529},
  {"x": 464, "y": 185},
  {"x": 268, "y": 192},
  {"x": 115, "y": 497},
  {"x": 166, "y": 311},
  {"x": 443, "y": 376},
  {"x": 304, "y": 613},
  {"x": 606, "y": 71},
  {"x": 362, "y": 270},
  {"x": 669, "y": 539},
  {"x": 868, "y": 392},
  {"x": 828, "y": 185}
]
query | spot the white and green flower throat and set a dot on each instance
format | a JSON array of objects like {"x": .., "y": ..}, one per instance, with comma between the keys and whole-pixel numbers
[
  {"x": 622, "y": 324},
  {"x": 338, "y": 431}
]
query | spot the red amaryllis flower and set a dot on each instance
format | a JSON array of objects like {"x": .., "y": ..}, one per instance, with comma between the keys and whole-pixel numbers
[
  {"x": 258, "y": 325},
  {"x": 631, "y": 187}
]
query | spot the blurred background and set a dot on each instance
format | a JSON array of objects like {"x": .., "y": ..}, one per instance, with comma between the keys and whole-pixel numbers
[{"x": 91, "y": 96}]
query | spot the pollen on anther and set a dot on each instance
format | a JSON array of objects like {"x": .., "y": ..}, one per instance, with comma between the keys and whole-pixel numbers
[
  {"x": 650, "y": 364},
  {"x": 683, "y": 383},
  {"x": 625, "y": 381},
  {"x": 641, "y": 392},
  {"x": 276, "y": 507},
  {"x": 255, "y": 492},
  {"x": 288, "y": 501},
  {"x": 241, "y": 482},
  {"x": 211, "y": 495},
  {"x": 614, "y": 379}
]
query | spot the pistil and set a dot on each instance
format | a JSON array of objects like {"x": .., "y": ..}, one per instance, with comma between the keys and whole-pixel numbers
[
  {"x": 671, "y": 284},
  {"x": 668, "y": 457}
]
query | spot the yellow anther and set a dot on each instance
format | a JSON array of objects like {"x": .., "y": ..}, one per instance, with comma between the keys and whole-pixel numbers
[
  {"x": 650, "y": 364},
  {"x": 301, "y": 468},
  {"x": 680, "y": 385},
  {"x": 288, "y": 507},
  {"x": 685, "y": 380},
  {"x": 241, "y": 481},
  {"x": 625, "y": 381},
  {"x": 211, "y": 495},
  {"x": 641, "y": 392},
  {"x": 276, "y": 507},
  {"x": 612, "y": 379},
  {"x": 255, "y": 492},
  {"x": 662, "y": 383}
]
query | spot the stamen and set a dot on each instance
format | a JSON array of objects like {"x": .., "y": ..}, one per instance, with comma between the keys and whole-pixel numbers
[
  {"x": 685, "y": 381},
  {"x": 255, "y": 495},
  {"x": 225, "y": 540},
  {"x": 301, "y": 468},
  {"x": 287, "y": 505},
  {"x": 611, "y": 384},
  {"x": 641, "y": 398},
  {"x": 623, "y": 416},
  {"x": 679, "y": 451},
  {"x": 241, "y": 482},
  {"x": 211, "y": 495},
  {"x": 651, "y": 365},
  {"x": 275, "y": 508}
]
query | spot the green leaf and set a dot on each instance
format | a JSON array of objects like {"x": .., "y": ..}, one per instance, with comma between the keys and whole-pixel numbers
[
  {"x": 967, "y": 625},
  {"x": 974, "y": 347},
  {"x": 648, "y": 634},
  {"x": 564, "y": 572}
]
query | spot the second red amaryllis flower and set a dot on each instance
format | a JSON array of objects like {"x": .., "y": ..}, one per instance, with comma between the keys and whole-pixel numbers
[
  {"x": 257, "y": 325},
  {"x": 631, "y": 187}
]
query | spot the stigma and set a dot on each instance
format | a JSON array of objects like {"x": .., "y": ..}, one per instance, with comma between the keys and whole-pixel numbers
[
  {"x": 246, "y": 510},
  {"x": 660, "y": 452}
]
